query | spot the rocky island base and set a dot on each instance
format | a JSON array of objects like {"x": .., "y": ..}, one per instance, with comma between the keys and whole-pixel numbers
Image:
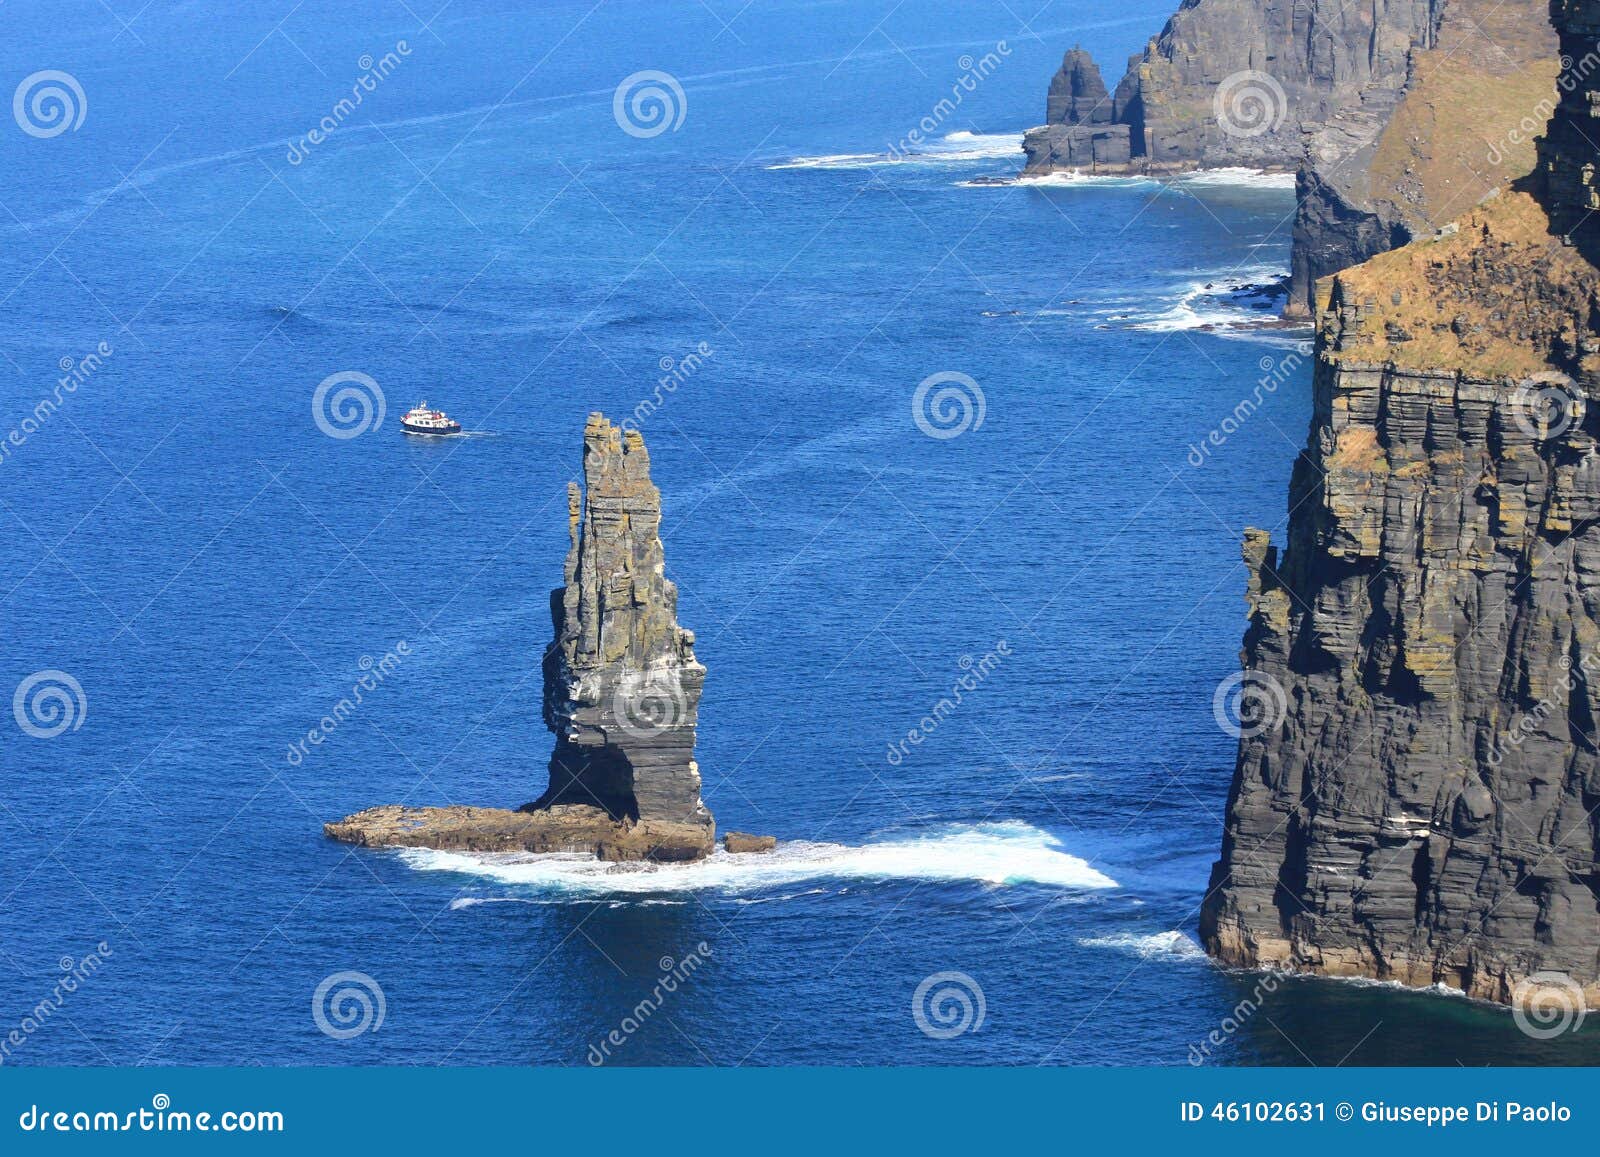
[{"x": 570, "y": 828}]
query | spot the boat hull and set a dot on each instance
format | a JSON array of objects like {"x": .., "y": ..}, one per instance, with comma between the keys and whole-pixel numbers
[{"x": 452, "y": 428}]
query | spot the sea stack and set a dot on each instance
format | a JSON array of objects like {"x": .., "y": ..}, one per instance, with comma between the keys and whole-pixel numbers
[
  {"x": 621, "y": 683},
  {"x": 621, "y": 692},
  {"x": 1418, "y": 772},
  {"x": 1079, "y": 132}
]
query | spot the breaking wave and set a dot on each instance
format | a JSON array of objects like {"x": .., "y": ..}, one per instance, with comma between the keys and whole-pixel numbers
[
  {"x": 998, "y": 853},
  {"x": 1172, "y": 945},
  {"x": 1240, "y": 300},
  {"x": 955, "y": 149},
  {"x": 1235, "y": 178}
]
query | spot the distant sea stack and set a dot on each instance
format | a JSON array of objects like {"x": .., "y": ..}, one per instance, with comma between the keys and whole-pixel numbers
[
  {"x": 621, "y": 692},
  {"x": 1272, "y": 67},
  {"x": 1419, "y": 771}
]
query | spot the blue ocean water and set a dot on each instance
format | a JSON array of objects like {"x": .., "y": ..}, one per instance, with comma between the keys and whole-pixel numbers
[{"x": 215, "y": 572}]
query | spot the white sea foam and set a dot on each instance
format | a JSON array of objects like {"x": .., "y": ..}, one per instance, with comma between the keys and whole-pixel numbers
[
  {"x": 1238, "y": 178},
  {"x": 959, "y": 148},
  {"x": 1164, "y": 945},
  {"x": 1217, "y": 301},
  {"x": 999, "y": 853},
  {"x": 1077, "y": 179}
]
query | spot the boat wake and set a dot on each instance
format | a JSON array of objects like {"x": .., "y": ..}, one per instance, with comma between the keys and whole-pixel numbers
[{"x": 995, "y": 854}]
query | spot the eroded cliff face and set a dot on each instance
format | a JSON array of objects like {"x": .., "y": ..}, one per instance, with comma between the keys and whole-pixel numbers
[
  {"x": 1418, "y": 773},
  {"x": 1401, "y": 160},
  {"x": 622, "y": 685},
  {"x": 1237, "y": 82}
]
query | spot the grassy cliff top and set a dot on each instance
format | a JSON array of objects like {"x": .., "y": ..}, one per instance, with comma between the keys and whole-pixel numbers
[
  {"x": 1497, "y": 297},
  {"x": 1473, "y": 105}
]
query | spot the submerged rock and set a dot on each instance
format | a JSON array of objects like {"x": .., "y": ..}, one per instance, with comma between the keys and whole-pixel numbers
[
  {"x": 621, "y": 692},
  {"x": 1418, "y": 769}
]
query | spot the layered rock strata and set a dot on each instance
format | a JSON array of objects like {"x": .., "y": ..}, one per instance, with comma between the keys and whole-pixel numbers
[
  {"x": 1417, "y": 782},
  {"x": 621, "y": 692}
]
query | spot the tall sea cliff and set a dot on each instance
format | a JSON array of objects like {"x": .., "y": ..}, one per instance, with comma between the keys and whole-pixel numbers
[{"x": 1418, "y": 770}]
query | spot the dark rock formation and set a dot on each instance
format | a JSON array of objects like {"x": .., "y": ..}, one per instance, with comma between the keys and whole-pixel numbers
[
  {"x": 1078, "y": 95},
  {"x": 1567, "y": 156},
  {"x": 1418, "y": 776},
  {"x": 1079, "y": 134},
  {"x": 621, "y": 692}
]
